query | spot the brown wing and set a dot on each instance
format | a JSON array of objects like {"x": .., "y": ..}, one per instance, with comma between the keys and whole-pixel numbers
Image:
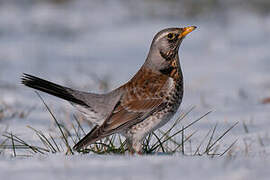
[
  {"x": 123, "y": 116},
  {"x": 126, "y": 115}
]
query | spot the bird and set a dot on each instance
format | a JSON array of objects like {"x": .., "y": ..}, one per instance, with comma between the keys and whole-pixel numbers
[{"x": 140, "y": 106}]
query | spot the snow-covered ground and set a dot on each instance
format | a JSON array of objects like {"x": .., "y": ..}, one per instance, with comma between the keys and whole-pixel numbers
[
  {"x": 122, "y": 168},
  {"x": 226, "y": 66}
]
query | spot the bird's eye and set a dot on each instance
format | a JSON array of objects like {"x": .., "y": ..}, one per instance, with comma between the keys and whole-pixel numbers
[{"x": 171, "y": 36}]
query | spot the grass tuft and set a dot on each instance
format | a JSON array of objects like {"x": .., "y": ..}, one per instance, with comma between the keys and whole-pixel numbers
[
  {"x": 171, "y": 141},
  {"x": 69, "y": 150}
]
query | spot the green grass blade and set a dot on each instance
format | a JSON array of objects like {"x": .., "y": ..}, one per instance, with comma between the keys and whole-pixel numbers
[
  {"x": 57, "y": 123},
  {"x": 220, "y": 137}
]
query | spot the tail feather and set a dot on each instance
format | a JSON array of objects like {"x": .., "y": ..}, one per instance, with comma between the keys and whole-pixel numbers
[
  {"x": 51, "y": 88},
  {"x": 94, "y": 135},
  {"x": 90, "y": 138}
]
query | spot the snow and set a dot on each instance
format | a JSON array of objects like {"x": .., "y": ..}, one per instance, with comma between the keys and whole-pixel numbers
[
  {"x": 225, "y": 63},
  {"x": 145, "y": 167}
]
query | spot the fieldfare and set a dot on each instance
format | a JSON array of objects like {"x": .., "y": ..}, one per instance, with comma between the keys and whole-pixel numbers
[{"x": 135, "y": 109}]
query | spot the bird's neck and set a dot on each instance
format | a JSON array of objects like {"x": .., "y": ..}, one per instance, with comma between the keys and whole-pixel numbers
[
  {"x": 166, "y": 64},
  {"x": 173, "y": 69}
]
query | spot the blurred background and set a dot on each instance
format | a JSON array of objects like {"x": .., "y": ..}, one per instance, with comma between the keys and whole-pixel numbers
[{"x": 99, "y": 45}]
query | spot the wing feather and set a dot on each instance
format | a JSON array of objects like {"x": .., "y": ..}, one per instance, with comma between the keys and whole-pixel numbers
[
  {"x": 122, "y": 117},
  {"x": 132, "y": 107}
]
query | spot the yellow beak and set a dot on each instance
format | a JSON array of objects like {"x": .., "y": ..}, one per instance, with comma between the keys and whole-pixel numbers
[{"x": 187, "y": 30}]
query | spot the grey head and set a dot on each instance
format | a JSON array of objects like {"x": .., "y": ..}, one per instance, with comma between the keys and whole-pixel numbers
[{"x": 165, "y": 46}]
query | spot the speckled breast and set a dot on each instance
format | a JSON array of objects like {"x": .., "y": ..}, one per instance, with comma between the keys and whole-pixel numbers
[{"x": 173, "y": 101}]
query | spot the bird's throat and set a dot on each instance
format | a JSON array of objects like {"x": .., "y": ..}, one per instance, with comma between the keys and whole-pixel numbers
[
  {"x": 168, "y": 56},
  {"x": 172, "y": 70},
  {"x": 167, "y": 70}
]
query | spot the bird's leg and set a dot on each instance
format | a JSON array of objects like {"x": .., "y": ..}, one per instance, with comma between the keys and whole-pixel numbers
[
  {"x": 134, "y": 146},
  {"x": 131, "y": 151}
]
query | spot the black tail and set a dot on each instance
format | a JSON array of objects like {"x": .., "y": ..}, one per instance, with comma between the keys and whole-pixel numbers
[{"x": 51, "y": 88}]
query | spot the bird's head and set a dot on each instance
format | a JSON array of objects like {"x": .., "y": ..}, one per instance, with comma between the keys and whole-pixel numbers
[{"x": 165, "y": 45}]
